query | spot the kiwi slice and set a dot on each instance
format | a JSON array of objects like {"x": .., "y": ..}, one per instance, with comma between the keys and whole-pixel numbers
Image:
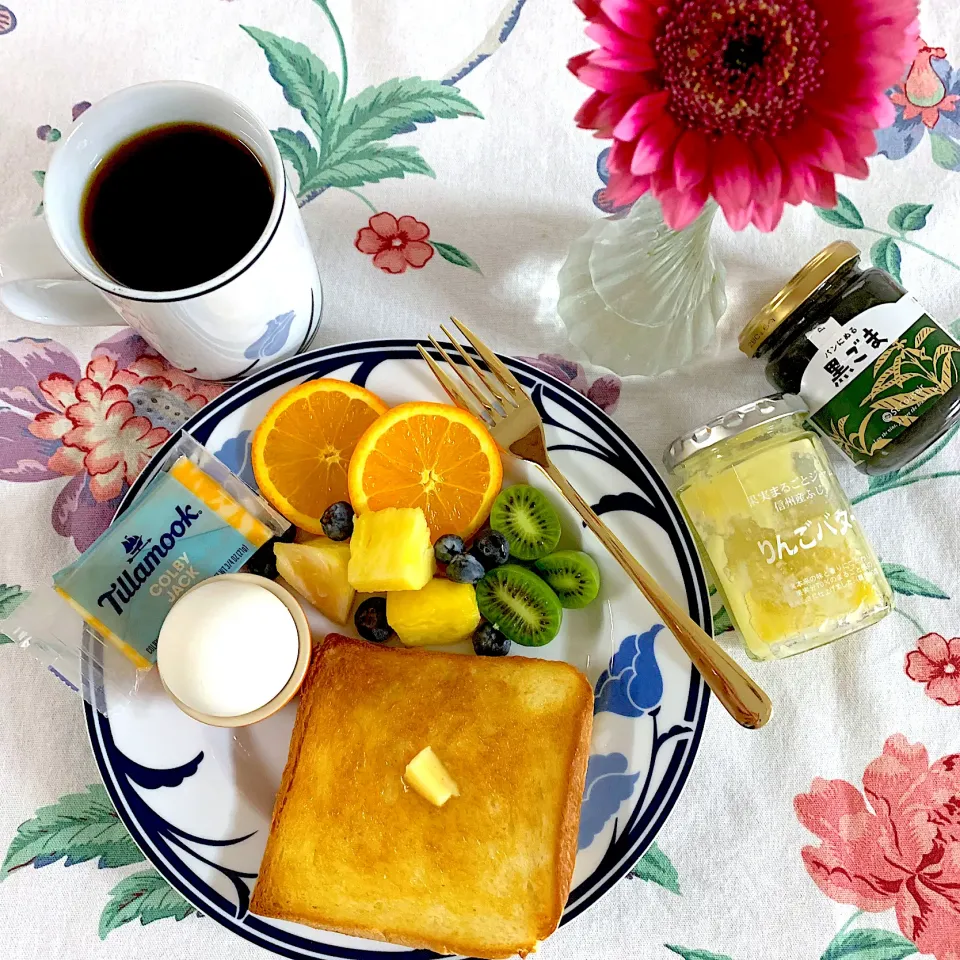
[
  {"x": 528, "y": 521},
  {"x": 520, "y": 605},
  {"x": 572, "y": 575}
]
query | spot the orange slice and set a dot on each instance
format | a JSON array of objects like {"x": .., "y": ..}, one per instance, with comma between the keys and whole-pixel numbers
[
  {"x": 302, "y": 448},
  {"x": 432, "y": 456}
]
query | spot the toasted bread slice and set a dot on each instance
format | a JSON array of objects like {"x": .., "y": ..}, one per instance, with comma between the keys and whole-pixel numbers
[{"x": 353, "y": 849}]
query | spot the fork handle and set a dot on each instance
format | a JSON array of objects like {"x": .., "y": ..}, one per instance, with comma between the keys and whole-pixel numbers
[{"x": 731, "y": 685}]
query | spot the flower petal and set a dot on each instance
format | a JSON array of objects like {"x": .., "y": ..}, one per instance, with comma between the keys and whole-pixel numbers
[
  {"x": 654, "y": 145},
  {"x": 417, "y": 253},
  {"x": 681, "y": 208},
  {"x": 78, "y": 515},
  {"x": 945, "y": 690},
  {"x": 640, "y": 115},
  {"x": 369, "y": 241},
  {"x": 639, "y": 20},
  {"x": 23, "y": 455},
  {"x": 921, "y": 668},
  {"x": 412, "y": 229},
  {"x": 934, "y": 647},
  {"x": 24, "y": 364},
  {"x": 385, "y": 224},
  {"x": 690, "y": 160},
  {"x": 849, "y": 866},
  {"x": 391, "y": 260},
  {"x": 731, "y": 172}
]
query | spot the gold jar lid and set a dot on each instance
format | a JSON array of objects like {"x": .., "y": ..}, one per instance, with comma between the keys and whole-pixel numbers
[{"x": 801, "y": 286}]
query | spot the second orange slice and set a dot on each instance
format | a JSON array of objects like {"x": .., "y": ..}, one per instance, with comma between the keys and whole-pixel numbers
[
  {"x": 432, "y": 456},
  {"x": 302, "y": 449}
]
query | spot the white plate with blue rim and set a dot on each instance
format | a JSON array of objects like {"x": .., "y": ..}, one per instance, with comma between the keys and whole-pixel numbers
[{"x": 198, "y": 800}]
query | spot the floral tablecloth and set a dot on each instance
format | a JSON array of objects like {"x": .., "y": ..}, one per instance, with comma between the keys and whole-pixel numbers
[{"x": 833, "y": 833}]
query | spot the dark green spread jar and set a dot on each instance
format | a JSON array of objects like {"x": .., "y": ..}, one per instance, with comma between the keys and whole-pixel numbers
[{"x": 879, "y": 376}]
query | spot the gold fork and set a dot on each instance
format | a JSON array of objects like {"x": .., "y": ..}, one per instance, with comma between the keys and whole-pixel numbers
[{"x": 516, "y": 426}]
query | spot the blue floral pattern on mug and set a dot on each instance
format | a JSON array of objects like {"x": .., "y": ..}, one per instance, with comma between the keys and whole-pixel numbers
[
  {"x": 272, "y": 339},
  {"x": 606, "y": 786},
  {"x": 632, "y": 685}
]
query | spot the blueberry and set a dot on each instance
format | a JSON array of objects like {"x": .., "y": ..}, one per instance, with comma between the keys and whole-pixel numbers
[
  {"x": 337, "y": 521},
  {"x": 465, "y": 569},
  {"x": 491, "y": 549},
  {"x": 263, "y": 563},
  {"x": 447, "y": 548},
  {"x": 488, "y": 641},
  {"x": 371, "y": 620}
]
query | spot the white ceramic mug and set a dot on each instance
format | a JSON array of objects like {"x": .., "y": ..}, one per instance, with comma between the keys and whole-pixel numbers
[{"x": 264, "y": 308}]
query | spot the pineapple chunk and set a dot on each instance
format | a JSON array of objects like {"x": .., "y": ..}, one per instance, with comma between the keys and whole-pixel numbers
[
  {"x": 429, "y": 777},
  {"x": 391, "y": 550},
  {"x": 318, "y": 570},
  {"x": 442, "y": 612}
]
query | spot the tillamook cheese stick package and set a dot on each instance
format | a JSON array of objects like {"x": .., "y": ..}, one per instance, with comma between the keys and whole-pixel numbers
[{"x": 194, "y": 520}]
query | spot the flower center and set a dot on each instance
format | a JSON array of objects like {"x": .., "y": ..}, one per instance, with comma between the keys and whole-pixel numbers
[
  {"x": 396, "y": 242},
  {"x": 745, "y": 67},
  {"x": 949, "y": 668}
]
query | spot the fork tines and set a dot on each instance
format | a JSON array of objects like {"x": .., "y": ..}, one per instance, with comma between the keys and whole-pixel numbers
[{"x": 496, "y": 398}]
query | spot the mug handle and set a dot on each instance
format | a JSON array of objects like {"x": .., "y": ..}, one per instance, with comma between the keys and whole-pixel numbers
[{"x": 37, "y": 283}]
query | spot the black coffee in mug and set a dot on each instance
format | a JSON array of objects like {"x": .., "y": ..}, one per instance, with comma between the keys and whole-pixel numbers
[{"x": 174, "y": 206}]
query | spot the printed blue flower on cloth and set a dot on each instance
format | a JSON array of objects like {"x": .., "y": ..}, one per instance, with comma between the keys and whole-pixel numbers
[
  {"x": 633, "y": 684},
  {"x": 926, "y": 103},
  {"x": 272, "y": 339},
  {"x": 7, "y": 20},
  {"x": 606, "y": 786},
  {"x": 600, "y": 199}
]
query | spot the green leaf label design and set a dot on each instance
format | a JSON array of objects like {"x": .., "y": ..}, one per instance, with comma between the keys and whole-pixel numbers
[
  {"x": 308, "y": 85},
  {"x": 844, "y": 214},
  {"x": 655, "y": 867},
  {"x": 868, "y": 944},
  {"x": 456, "y": 256},
  {"x": 77, "y": 828},
  {"x": 689, "y": 954},
  {"x": 876, "y": 375},
  {"x": 903, "y": 580},
  {"x": 143, "y": 896},
  {"x": 886, "y": 255}
]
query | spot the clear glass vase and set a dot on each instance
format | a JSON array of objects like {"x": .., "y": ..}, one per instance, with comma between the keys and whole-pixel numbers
[{"x": 639, "y": 297}]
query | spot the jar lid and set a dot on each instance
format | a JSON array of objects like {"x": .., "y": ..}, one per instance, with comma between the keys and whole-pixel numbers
[
  {"x": 730, "y": 424},
  {"x": 801, "y": 286}
]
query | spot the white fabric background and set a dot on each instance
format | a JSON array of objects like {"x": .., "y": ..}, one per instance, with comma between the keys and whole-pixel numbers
[{"x": 512, "y": 190}]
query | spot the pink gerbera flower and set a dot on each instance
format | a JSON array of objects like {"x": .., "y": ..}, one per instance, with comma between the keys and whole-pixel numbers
[{"x": 756, "y": 103}]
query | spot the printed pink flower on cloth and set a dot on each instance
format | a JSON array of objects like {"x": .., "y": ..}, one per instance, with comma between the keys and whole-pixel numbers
[
  {"x": 99, "y": 427},
  {"x": 604, "y": 391},
  {"x": 936, "y": 663},
  {"x": 395, "y": 244},
  {"x": 756, "y": 103},
  {"x": 901, "y": 851}
]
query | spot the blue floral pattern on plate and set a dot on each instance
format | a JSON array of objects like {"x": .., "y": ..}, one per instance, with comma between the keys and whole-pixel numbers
[
  {"x": 633, "y": 684},
  {"x": 606, "y": 786}
]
